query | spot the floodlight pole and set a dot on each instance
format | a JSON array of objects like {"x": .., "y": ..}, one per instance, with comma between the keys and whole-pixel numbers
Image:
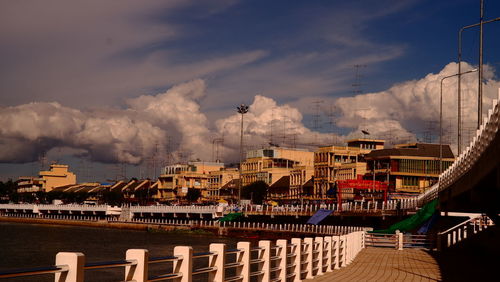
[
  {"x": 242, "y": 109},
  {"x": 441, "y": 118}
]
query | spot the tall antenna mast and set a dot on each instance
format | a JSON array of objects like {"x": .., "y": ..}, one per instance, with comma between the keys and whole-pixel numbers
[
  {"x": 316, "y": 120},
  {"x": 332, "y": 117},
  {"x": 356, "y": 86}
]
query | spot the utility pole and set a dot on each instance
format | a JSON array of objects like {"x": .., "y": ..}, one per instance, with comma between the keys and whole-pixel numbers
[
  {"x": 480, "y": 72},
  {"x": 242, "y": 109}
]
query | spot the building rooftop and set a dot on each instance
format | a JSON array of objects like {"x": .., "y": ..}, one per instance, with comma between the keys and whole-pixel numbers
[{"x": 413, "y": 149}]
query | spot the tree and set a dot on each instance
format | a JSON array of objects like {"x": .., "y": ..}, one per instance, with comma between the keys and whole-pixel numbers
[
  {"x": 257, "y": 192},
  {"x": 8, "y": 191}
]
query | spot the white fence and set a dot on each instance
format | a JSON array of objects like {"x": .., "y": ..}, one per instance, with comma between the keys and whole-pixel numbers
[
  {"x": 54, "y": 209},
  {"x": 214, "y": 211},
  {"x": 462, "y": 231},
  {"x": 469, "y": 156},
  {"x": 366, "y": 206},
  {"x": 268, "y": 261}
]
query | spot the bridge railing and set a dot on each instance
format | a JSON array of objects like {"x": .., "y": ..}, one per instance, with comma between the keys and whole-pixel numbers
[
  {"x": 267, "y": 261},
  {"x": 469, "y": 156}
]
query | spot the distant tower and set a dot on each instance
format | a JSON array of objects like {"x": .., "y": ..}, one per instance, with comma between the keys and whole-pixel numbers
[
  {"x": 285, "y": 117},
  {"x": 356, "y": 86},
  {"x": 332, "y": 121},
  {"x": 217, "y": 143},
  {"x": 316, "y": 120}
]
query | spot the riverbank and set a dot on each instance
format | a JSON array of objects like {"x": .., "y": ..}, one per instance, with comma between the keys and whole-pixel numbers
[
  {"x": 97, "y": 224},
  {"x": 246, "y": 232}
]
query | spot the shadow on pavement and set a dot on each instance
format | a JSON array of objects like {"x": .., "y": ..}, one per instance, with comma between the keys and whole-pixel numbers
[{"x": 475, "y": 259}]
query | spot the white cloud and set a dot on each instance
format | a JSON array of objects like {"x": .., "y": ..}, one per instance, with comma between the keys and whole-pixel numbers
[
  {"x": 175, "y": 119},
  {"x": 413, "y": 103}
]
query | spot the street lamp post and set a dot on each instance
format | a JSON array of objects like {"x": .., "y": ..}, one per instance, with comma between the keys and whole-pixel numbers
[
  {"x": 459, "y": 76},
  {"x": 242, "y": 109},
  {"x": 441, "y": 118}
]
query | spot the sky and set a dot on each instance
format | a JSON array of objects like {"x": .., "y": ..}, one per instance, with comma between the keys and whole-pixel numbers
[{"x": 122, "y": 88}]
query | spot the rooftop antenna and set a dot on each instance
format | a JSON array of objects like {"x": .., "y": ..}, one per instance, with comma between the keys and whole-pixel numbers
[
  {"x": 216, "y": 143},
  {"x": 316, "y": 120},
  {"x": 332, "y": 118},
  {"x": 285, "y": 117},
  {"x": 363, "y": 120},
  {"x": 271, "y": 133},
  {"x": 356, "y": 86}
]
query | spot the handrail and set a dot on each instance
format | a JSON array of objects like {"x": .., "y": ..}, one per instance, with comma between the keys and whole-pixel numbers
[
  {"x": 459, "y": 225},
  {"x": 204, "y": 254},
  {"x": 165, "y": 277},
  {"x": 165, "y": 259},
  {"x": 20, "y": 272},
  {"x": 204, "y": 270},
  {"x": 271, "y": 265},
  {"x": 109, "y": 264}
]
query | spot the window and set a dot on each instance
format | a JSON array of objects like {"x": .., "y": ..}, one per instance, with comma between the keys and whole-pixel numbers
[{"x": 410, "y": 181}]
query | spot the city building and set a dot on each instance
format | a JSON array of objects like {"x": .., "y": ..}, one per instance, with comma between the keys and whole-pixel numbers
[
  {"x": 299, "y": 176},
  {"x": 176, "y": 180},
  {"x": 271, "y": 164},
  {"x": 409, "y": 168},
  {"x": 222, "y": 184},
  {"x": 334, "y": 163},
  {"x": 57, "y": 175}
]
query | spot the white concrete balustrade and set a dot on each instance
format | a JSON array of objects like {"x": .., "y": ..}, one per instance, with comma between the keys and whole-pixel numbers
[
  {"x": 469, "y": 157},
  {"x": 213, "y": 211},
  {"x": 281, "y": 260},
  {"x": 462, "y": 231}
]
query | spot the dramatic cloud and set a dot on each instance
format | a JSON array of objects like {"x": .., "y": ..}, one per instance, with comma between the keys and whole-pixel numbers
[
  {"x": 410, "y": 106},
  {"x": 151, "y": 123},
  {"x": 128, "y": 136}
]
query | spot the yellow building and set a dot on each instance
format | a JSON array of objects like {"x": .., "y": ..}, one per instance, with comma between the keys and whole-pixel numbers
[
  {"x": 57, "y": 175},
  {"x": 270, "y": 164},
  {"x": 219, "y": 179},
  {"x": 409, "y": 168},
  {"x": 334, "y": 163},
  {"x": 176, "y": 180},
  {"x": 298, "y": 177}
]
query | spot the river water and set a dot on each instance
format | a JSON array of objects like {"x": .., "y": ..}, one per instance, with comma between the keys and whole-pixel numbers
[{"x": 35, "y": 245}]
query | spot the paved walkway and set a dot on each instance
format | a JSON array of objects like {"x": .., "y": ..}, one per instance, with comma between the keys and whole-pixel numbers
[{"x": 381, "y": 264}]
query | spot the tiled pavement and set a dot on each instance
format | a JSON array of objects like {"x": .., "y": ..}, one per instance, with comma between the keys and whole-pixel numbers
[{"x": 381, "y": 264}]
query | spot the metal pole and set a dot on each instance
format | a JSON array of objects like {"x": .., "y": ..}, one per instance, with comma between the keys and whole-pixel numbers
[
  {"x": 441, "y": 127},
  {"x": 480, "y": 73},
  {"x": 459, "y": 77},
  {"x": 459, "y": 92},
  {"x": 241, "y": 159},
  {"x": 242, "y": 109},
  {"x": 441, "y": 118}
]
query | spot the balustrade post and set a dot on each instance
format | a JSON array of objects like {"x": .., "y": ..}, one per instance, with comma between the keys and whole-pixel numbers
[
  {"x": 184, "y": 265},
  {"x": 320, "y": 255},
  {"x": 74, "y": 262},
  {"x": 341, "y": 251},
  {"x": 282, "y": 253},
  {"x": 328, "y": 253},
  {"x": 308, "y": 250},
  {"x": 265, "y": 266},
  {"x": 218, "y": 261},
  {"x": 138, "y": 272},
  {"x": 297, "y": 259},
  {"x": 244, "y": 259},
  {"x": 399, "y": 240}
]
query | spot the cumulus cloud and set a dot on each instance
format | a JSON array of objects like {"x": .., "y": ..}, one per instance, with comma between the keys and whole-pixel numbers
[
  {"x": 407, "y": 107},
  {"x": 268, "y": 123},
  {"x": 129, "y": 135},
  {"x": 175, "y": 119}
]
